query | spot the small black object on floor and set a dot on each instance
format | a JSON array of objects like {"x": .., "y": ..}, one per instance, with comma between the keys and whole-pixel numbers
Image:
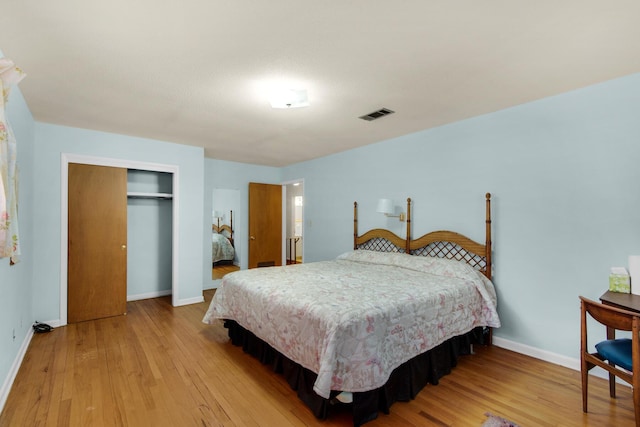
[{"x": 39, "y": 328}]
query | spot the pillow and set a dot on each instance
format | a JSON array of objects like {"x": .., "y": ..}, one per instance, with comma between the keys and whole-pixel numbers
[{"x": 431, "y": 265}]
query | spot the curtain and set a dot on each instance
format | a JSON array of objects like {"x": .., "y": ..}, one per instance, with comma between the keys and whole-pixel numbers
[{"x": 9, "y": 240}]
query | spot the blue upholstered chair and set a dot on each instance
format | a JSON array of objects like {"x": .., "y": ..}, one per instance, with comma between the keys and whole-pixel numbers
[{"x": 617, "y": 356}]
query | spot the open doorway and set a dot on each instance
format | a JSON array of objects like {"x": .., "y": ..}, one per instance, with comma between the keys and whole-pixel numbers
[{"x": 294, "y": 220}]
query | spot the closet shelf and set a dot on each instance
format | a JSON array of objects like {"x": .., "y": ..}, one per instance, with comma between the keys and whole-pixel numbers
[{"x": 139, "y": 195}]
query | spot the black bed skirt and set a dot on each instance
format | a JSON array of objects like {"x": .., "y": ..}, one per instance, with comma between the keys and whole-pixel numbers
[{"x": 404, "y": 384}]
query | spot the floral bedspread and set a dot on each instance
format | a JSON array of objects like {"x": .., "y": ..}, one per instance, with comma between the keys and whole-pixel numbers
[
  {"x": 355, "y": 319},
  {"x": 221, "y": 248}
]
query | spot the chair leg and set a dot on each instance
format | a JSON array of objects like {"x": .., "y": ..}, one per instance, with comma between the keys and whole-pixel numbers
[
  {"x": 585, "y": 383},
  {"x": 612, "y": 384},
  {"x": 636, "y": 405}
]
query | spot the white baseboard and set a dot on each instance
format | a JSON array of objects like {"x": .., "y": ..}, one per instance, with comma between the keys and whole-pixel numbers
[
  {"x": 148, "y": 295},
  {"x": 54, "y": 323},
  {"x": 8, "y": 382},
  {"x": 547, "y": 356},
  {"x": 214, "y": 284},
  {"x": 194, "y": 300}
]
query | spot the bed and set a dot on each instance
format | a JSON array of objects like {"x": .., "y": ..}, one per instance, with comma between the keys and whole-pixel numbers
[
  {"x": 222, "y": 247},
  {"x": 375, "y": 325}
]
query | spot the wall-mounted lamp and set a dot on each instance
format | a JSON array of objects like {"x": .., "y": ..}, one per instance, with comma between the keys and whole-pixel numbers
[
  {"x": 217, "y": 215},
  {"x": 386, "y": 207}
]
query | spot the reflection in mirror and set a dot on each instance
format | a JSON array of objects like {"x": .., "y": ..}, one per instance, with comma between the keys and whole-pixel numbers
[
  {"x": 224, "y": 247},
  {"x": 294, "y": 220}
]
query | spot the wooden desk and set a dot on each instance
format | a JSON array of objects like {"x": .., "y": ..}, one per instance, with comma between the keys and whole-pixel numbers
[
  {"x": 621, "y": 300},
  {"x": 630, "y": 302}
]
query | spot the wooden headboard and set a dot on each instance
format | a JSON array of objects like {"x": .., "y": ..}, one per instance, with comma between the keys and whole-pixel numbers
[
  {"x": 224, "y": 229},
  {"x": 379, "y": 239},
  {"x": 442, "y": 244}
]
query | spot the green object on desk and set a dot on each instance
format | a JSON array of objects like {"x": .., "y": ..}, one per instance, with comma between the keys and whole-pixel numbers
[{"x": 619, "y": 283}]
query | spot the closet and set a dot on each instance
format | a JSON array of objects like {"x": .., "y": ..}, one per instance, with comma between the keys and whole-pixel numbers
[
  {"x": 149, "y": 233},
  {"x": 119, "y": 238}
]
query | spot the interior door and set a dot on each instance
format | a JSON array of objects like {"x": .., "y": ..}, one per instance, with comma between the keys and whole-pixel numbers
[
  {"x": 265, "y": 225},
  {"x": 97, "y": 230}
]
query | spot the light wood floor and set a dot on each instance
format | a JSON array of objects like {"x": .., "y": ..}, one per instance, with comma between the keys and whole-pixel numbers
[
  {"x": 160, "y": 366},
  {"x": 219, "y": 271}
]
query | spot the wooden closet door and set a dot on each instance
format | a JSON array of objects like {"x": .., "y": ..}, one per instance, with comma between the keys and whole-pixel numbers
[{"x": 97, "y": 230}]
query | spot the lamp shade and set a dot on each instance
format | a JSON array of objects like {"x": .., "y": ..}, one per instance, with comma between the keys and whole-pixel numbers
[
  {"x": 385, "y": 206},
  {"x": 217, "y": 214}
]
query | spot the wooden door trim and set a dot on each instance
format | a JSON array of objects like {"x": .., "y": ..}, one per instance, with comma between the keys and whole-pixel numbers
[{"x": 67, "y": 158}]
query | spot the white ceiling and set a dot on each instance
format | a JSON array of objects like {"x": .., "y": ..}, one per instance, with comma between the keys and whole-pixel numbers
[{"x": 194, "y": 71}]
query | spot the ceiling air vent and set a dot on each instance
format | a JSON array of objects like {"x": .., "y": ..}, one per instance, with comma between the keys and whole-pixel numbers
[{"x": 377, "y": 114}]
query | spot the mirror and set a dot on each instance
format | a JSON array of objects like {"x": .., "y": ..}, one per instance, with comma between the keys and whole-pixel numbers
[
  {"x": 294, "y": 220},
  {"x": 225, "y": 250}
]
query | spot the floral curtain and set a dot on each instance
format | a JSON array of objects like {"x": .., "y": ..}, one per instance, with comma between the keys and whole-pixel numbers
[{"x": 9, "y": 240}]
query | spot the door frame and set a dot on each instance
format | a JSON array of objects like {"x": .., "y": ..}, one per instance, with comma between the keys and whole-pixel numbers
[{"x": 67, "y": 158}]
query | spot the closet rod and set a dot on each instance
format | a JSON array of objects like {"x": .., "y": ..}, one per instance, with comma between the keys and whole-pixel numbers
[{"x": 163, "y": 196}]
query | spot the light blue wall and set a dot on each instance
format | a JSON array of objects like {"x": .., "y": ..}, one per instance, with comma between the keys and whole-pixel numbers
[
  {"x": 54, "y": 140},
  {"x": 16, "y": 314},
  {"x": 231, "y": 176},
  {"x": 149, "y": 248},
  {"x": 563, "y": 172}
]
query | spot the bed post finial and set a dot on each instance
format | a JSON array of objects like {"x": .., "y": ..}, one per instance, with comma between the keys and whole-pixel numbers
[
  {"x": 408, "y": 245},
  {"x": 355, "y": 225},
  {"x": 488, "y": 235}
]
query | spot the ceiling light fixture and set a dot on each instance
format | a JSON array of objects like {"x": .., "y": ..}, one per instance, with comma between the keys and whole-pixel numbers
[{"x": 289, "y": 98}]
